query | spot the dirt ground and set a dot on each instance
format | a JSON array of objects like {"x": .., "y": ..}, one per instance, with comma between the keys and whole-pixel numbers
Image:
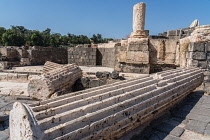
[{"x": 13, "y": 88}]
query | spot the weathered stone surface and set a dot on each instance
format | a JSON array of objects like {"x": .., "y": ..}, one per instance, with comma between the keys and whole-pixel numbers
[
  {"x": 103, "y": 75},
  {"x": 54, "y": 80},
  {"x": 163, "y": 51},
  {"x": 195, "y": 23},
  {"x": 138, "y": 46},
  {"x": 200, "y": 34},
  {"x": 139, "y": 17},
  {"x": 202, "y": 64},
  {"x": 137, "y": 57},
  {"x": 207, "y": 130},
  {"x": 196, "y": 46},
  {"x": 115, "y": 74},
  {"x": 4, "y": 136},
  {"x": 198, "y": 117},
  {"x": 171, "y": 33},
  {"x": 48, "y": 66},
  {"x": 169, "y": 137},
  {"x": 107, "y": 111},
  {"x": 197, "y": 126},
  {"x": 192, "y": 63},
  {"x": 25, "y": 62},
  {"x": 177, "y": 131},
  {"x": 197, "y": 55},
  {"x": 82, "y": 56},
  {"x": 139, "y": 20}
]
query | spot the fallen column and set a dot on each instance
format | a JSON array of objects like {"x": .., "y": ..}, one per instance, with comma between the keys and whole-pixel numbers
[
  {"x": 48, "y": 66},
  {"x": 53, "y": 79},
  {"x": 105, "y": 112}
]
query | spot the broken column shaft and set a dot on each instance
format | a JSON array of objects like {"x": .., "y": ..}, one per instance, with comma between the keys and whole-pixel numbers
[
  {"x": 139, "y": 11},
  {"x": 53, "y": 79},
  {"x": 105, "y": 112},
  {"x": 139, "y": 17}
]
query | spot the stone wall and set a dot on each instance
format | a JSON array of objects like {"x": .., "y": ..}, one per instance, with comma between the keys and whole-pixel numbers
[
  {"x": 82, "y": 56},
  {"x": 20, "y": 56},
  {"x": 162, "y": 51},
  {"x": 9, "y": 54},
  {"x": 92, "y": 56},
  {"x": 106, "y": 57},
  {"x": 198, "y": 55},
  {"x": 40, "y": 55}
]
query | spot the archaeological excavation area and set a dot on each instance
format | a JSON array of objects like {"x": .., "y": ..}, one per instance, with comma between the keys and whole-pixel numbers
[{"x": 144, "y": 87}]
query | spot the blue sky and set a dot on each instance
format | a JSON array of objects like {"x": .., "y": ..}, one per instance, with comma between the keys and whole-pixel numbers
[{"x": 111, "y": 18}]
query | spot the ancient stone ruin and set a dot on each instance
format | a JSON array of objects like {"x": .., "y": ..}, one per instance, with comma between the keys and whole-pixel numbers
[
  {"x": 105, "y": 112},
  {"x": 11, "y": 56},
  {"x": 55, "y": 77},
  {"x": 178, "y": 58}
]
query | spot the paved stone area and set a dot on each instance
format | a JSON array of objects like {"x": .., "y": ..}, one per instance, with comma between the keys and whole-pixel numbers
[{"x": 189, "y": 120}]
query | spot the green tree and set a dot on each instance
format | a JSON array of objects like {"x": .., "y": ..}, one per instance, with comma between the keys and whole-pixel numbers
[
  {"x": 2, "y": 31},
  {"x": 46, "y": 37},
  {"x": 55, "y": 40},
  {"x": 12, "y": 38},
  {"x": 19, "y": 35},
  {"x": 36, "y": 39},
  {"x": 64, "y": 40}
]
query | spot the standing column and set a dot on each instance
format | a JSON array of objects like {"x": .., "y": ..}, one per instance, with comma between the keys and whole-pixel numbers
[{"x": 139, "y": 21}]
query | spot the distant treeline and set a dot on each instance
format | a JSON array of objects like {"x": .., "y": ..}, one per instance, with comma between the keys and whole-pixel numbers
[{"x": 20, "y": 36}]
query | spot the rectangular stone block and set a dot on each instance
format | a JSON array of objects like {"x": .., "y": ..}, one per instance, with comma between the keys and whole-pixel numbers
[
  {"x": 208, "y": 47},
  {"x": 171, "y": 33},
  {"x": 192, "y": 63},
  {"x": 23, "y": 76},
  {"x": 169, "y": 61},
  {"x": 196, "y": 46},
  {"x": 94, "y": 83},
  {"x": 202, "y": 64},
  {"x": 208, "y": 56},
  {"x": 137, "y": 57},
  {"x": 198, "y": 55},
  {"x": 11, "y": 76},
  {"x": 138, "y": 46},
  {"x": 170, "y": 56}
]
